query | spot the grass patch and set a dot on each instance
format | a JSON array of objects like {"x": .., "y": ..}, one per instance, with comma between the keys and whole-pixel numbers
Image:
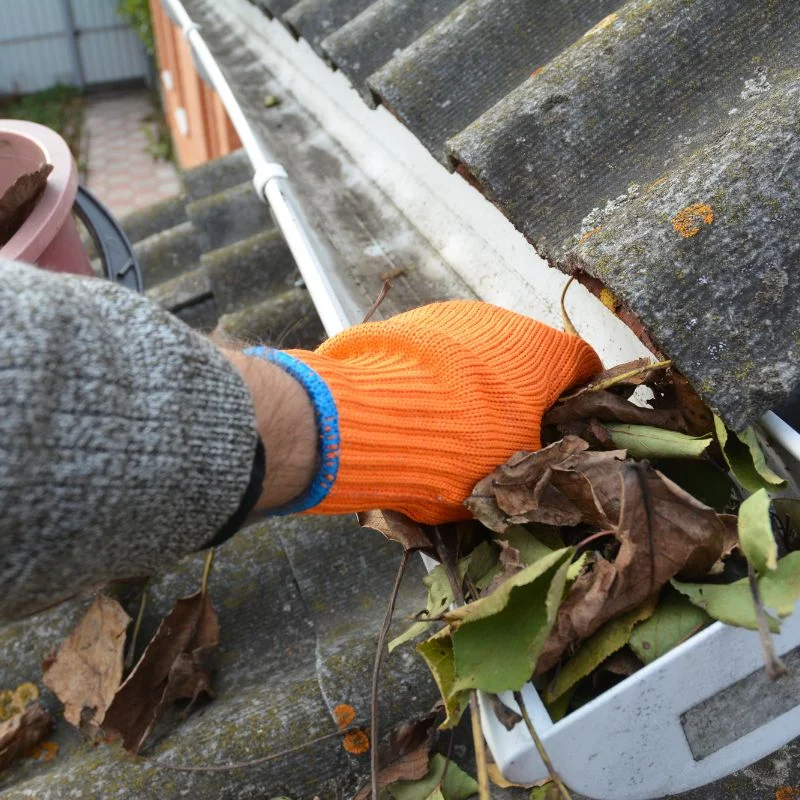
[{"x": 59, "y": 108}]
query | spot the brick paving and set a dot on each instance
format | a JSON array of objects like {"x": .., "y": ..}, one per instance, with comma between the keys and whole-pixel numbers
[{"x": 119, "y": 170}]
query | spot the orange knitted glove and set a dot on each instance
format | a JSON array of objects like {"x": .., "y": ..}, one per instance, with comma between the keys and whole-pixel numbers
[{"x": 428, "y": 403}]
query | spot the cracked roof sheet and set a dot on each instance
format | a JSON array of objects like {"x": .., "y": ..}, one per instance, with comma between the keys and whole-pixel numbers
[{"x": 650, "y": 146}]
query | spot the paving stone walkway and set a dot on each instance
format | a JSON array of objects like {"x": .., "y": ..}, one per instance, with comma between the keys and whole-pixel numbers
[{"x": 119, "y": 170}]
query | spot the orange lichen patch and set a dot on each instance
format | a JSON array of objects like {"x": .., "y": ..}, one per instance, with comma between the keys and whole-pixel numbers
[
  {"x": 689, "y": 220},
  {"x": 608, "y": 299},
  {"x": 356, "y": 742},
  {"x": 537, "y": 71},
  {"x": 604, "y": 23},
  {"x": 46, "y": 751},
  {"x": 787, "y": 793},
  {"x": 589, "y": 234},
  {"x": 344, "y": 715}
]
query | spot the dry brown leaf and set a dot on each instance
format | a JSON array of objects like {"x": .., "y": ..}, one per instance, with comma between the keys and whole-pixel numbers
[
  {"x": 606, "y": 406},
  {"x": 405, "y": 753},
  {"x": 663, "y": 532},
  {"x": 510, "y": 564},
  {"x": 623, "y": 662},
  {"x": 507, "y": 717},
  {"x": 697, "y": 415},
  {"x": 173, "y": 666},
  {"x": 396, "y": 527},
  {"x": 87, "y": 669},
  {"x": 19, "y": 200},
  {"x": 496, "y": 777},
  {"x": 562, "y": 485},
  {"x": 22, "y": 732},
  {"x": 620, "y": 377}
]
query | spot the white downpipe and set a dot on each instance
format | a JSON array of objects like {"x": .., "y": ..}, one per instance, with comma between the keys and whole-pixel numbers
[{"x": 271, "y": 183}]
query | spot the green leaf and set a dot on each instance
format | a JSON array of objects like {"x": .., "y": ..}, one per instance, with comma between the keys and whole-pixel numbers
[
  {"x": 547, "y": 791},
  {"x": 755, "y": 532},
  {"x": 746, "y": 458},
  {"x": 612, "y": 636},
  {"x": 732, "y": 602},
  {"x": 645, "y": 441},
  {"x": 455, "y": 785},
  {"x": 481, "y": 565},
  {"x": 497, "y": 639},
  {"x": 531, "y": 549},
  {"x": 576, "y": 567},
  {"x": 440, "y": 598},
  {"x": 438, "y": 654},
  {"x": 675, "y": 619},
  {"x": 702, "y": 479},
  {"x": 558, "y": 708}
]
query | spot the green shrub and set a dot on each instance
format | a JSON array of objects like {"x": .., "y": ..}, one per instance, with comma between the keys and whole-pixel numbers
[{"x": 137, "y": 14}]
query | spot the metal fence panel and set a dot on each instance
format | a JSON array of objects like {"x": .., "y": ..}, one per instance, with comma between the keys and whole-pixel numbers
[{"x": 79, "y": 42}]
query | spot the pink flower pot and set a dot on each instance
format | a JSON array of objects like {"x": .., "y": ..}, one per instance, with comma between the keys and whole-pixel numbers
[{"x": 49, "y": 237}]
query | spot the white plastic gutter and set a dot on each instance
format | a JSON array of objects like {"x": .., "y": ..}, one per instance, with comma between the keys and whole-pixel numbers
[{"x": 332, "y": 301}]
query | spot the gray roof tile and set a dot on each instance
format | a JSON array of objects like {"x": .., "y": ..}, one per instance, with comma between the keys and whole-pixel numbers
[
  {"x": 601, "y": 130},
  {"x": 376, "y": 35},
  {"x": 474, "y": 57},
  {"x": 315, "y": 19}
]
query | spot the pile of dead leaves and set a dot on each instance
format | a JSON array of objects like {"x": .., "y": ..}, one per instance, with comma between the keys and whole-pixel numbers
[
  {"x": 87, "y": 671},
  {"x": 641, "y": 522}
]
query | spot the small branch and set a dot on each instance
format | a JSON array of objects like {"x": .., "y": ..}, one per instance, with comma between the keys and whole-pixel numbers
[
  {"x": 209, "y": 563},
  {"x": 589, "y": 539},
  {"x": 449, "y": 569},
  {"x": 775, "y": 667},
  {"x": 568, "y": 326},
  {"x": 374, "y": 730},
  {"x": 599, "y": 387},
  {"x": 559, "y": 784},
  {"x": 480, "y": 747},
  {"x": 381, "y": 297},
  {"x": 137, "y": 626},
  {"x": 256, "y": 761},
  {"x": 450, "y": 741}
]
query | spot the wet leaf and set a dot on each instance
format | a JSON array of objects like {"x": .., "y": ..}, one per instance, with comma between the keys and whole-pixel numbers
[
  {"x": 608, "y": 407},
  {"x": 454, "y": 784},
  {"x": 19, "y": 200},
  {"x": 732, "y": 603},
  {"x": 22, "y": 732},
  {"x": 547, "y": 791},
  {"x": 497, "y": 639},
  {"x": 673, "y": 622},
  {"x": 405, "y": 752},
  {"x": 612, "y": 636},
  {"x": 173, "y": 666},
  {"x": 87, "y": 670},
  {"x": 645, "y": 441},
  {"x": 438, "y": 654},
  {"x": 663, "y": 531},
  {"x": 755, "y": 532},
  {"x": 624, "y": 663},
  {"x": 396, "y": 527},
  {"x": 746, "y": 458}
]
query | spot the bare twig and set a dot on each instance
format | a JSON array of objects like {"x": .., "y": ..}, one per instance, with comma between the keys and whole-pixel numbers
[
  {"x": 559, "y": 784},
  {"x": 609, "y": 382},
  {"x": 589, "y": 539},
  {"x": 450, "y": 741},
  {"x": 137, "y": 626},
  {"x": 256, "y": 761},
  {"x": 481, "y": 764},
  {"x": 209, "y": 563},
  {"x": 775, "y": 667},
  {"x": 449, "y": 567},
  {"x": 381, "y": 297},
  {"x": 568, "y": 326},
  {"x": 374, "y": 730}
]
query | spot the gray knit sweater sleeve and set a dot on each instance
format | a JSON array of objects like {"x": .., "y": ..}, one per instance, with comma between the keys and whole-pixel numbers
[{"x": 126, "y": 439}]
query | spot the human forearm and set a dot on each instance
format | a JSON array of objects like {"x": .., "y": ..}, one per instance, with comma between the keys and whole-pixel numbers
[{"x": 126, "y": 439}]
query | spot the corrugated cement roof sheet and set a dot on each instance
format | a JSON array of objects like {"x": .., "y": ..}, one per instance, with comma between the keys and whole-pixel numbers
[{"x": 650, "y": 146}]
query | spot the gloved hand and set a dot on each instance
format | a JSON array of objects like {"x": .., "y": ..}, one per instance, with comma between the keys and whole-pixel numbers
[{"x": 412, "y": 412}]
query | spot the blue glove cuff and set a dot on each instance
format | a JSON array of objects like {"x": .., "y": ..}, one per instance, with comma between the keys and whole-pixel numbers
[{"x": 327, "y": 419}]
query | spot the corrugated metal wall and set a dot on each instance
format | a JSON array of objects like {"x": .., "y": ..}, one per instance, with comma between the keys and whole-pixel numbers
[{"x": 78, "y": 42}]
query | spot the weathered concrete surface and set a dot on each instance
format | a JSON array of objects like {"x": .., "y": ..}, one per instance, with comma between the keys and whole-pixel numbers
[{"x": 300, "y": 602}]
